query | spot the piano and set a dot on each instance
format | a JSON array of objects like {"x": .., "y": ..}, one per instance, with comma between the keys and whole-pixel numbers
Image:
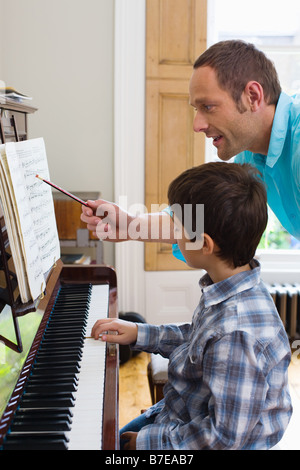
[
  {"x": 60, "y": 389},
  {"x": 66, "y": 395}
]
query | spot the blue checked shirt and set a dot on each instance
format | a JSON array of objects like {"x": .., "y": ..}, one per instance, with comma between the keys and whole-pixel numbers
[{"x": 227, "y": 378}]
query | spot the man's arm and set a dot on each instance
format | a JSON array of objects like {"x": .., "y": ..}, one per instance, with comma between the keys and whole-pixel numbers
[{"x": 110, "y": 222}]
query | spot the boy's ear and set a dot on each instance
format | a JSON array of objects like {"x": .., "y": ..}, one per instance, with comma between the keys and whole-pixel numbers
[{"x": 208, "y": 245}]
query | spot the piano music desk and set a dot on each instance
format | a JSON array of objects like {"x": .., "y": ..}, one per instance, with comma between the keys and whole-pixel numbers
[{"x": 72, "y": 231}]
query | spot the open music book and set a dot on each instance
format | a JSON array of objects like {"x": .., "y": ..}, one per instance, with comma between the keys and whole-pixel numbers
[{"x": 29, "y": 215}]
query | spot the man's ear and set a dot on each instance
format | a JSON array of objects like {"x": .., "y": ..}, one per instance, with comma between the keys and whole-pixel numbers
[
  {"x": 254, "y": 94},
  {"x": 208, "y": 245}
]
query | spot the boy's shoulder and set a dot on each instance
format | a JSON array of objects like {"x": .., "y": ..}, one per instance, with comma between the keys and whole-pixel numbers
[{"x": 241, "y": 303}]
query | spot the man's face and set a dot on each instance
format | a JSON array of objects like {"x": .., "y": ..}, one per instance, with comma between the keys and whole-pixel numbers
[{"x": 217, "y": 115}]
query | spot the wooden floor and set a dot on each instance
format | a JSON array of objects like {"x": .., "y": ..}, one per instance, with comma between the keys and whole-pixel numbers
[{"x": 135, "y": 396}]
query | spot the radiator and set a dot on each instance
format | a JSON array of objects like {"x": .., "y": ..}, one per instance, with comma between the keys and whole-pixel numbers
[{"x": 287, "y": 300}]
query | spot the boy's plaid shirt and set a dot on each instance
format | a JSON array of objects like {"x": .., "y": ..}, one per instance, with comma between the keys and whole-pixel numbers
[{"x": 227, "y": 378}]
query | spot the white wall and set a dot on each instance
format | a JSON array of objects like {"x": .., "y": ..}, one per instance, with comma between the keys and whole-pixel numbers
[{"x": 61, "y": 52}]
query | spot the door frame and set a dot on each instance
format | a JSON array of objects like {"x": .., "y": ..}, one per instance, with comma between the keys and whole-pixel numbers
[{"x": 129, "y": 142}]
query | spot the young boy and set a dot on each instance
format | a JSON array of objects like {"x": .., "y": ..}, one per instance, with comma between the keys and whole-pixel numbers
[{"x": 227, "y": 376}]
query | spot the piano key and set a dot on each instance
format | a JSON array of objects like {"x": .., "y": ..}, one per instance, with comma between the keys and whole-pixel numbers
[
  {"x": 54, "y": 387},
  {"x": 58, "y": 358},
  {"x": 56, "y": 403},
  {"x": 44, "y": 414},
  {"x": 62, "y": 342},
  {"x": 40, "y": 424},
  {"x": 51, "y": 381},
  {"x": 44, "y": 441}
]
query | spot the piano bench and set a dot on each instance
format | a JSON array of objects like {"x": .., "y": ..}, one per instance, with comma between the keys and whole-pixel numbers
[{"x": 157, "y": 371}]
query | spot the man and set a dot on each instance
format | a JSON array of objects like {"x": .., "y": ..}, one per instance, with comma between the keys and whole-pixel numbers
[
  {"x": 235, "y": 91},
  {"x": 262, "y": 129}
]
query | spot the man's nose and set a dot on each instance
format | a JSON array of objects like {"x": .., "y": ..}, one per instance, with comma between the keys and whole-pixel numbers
[{"x": 200, "y": 123}]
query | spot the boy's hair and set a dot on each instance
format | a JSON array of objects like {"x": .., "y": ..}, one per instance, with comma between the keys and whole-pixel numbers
[
  {"x": 236, "y": 63},
  {"x": 235, "y": 206}
]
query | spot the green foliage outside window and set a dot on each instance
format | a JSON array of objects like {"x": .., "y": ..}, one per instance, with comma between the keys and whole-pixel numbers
[{"x": 276, "y": 237}]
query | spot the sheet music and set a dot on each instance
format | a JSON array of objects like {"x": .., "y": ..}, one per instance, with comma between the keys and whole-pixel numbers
[
  {"x": 10, "y": 221},
  {"x": 33, "y": 205}
]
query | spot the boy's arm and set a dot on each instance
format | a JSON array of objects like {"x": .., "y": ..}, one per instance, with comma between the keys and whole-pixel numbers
[
  {"x": 141, "y": 336},
  {"x": 162, "y": 339}
]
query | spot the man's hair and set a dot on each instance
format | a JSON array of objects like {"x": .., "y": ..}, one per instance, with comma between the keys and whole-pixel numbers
[
  {"x": 235, "y": 206},
  {"x": 236, "y": 63}
]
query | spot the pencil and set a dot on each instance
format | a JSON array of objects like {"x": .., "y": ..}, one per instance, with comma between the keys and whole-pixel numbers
[{"x": 63, "y": 191}]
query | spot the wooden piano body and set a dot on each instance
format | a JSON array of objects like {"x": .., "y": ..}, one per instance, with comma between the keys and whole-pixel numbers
[{"x": 69, "y": 274}]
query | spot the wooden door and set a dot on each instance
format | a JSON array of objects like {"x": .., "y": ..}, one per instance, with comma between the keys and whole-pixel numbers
[{"x": 176, "y": 36}]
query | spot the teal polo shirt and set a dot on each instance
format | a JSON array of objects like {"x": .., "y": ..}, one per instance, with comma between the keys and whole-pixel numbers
[{"x": 280, "y": 169}]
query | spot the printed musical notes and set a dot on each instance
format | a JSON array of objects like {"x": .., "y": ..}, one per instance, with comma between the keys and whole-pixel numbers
[{"x": 29, "y": 213}]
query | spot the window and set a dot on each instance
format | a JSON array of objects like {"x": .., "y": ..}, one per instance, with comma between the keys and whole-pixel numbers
[{"x": 276, "y": 31}]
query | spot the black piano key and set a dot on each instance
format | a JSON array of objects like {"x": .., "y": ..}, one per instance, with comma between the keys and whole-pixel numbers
[
  {"x": 63, "y": 370},
  {"x": 59, "y": 348},
  {"x": 42, "y": 380},
  {"x": 64, "y": 337},
  {"x": 71, "y": 323},
  {"x": 77, "y": 333},
  {"x": 45, "y": 413},
  {"x": 56, "y": 362},
  {"x": 66, "y": 342},
  {"x": 71, "y": 304},
  {"x": 47, "y": 402},
  {"x": 59, "y": 358},
  {"x": 71, "y": 319},
  {"x": 44, "y": 441},
  {"x": 21, "y": 425},
  {"x": 68, "y": 315},
  {"x": 76, "y": 287},
  {"x": 58, "y": 351},
  {"x": 66, "y": 327},
  {"x": 74, "y": 295},
  {"x": 54, "y": 387}
]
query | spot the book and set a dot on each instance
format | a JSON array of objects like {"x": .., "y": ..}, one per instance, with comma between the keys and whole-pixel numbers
[
  {"x": 29, "y": 215},
  {"x": 11, "y": 93}
]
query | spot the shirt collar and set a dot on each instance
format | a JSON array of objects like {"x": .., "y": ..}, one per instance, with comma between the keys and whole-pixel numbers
[
  {"x": 279, "y": 129},
  {"x": 215, "y": 293}
]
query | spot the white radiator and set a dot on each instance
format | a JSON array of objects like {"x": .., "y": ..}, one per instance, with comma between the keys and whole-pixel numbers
[{"x": 287, "y": 300}]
